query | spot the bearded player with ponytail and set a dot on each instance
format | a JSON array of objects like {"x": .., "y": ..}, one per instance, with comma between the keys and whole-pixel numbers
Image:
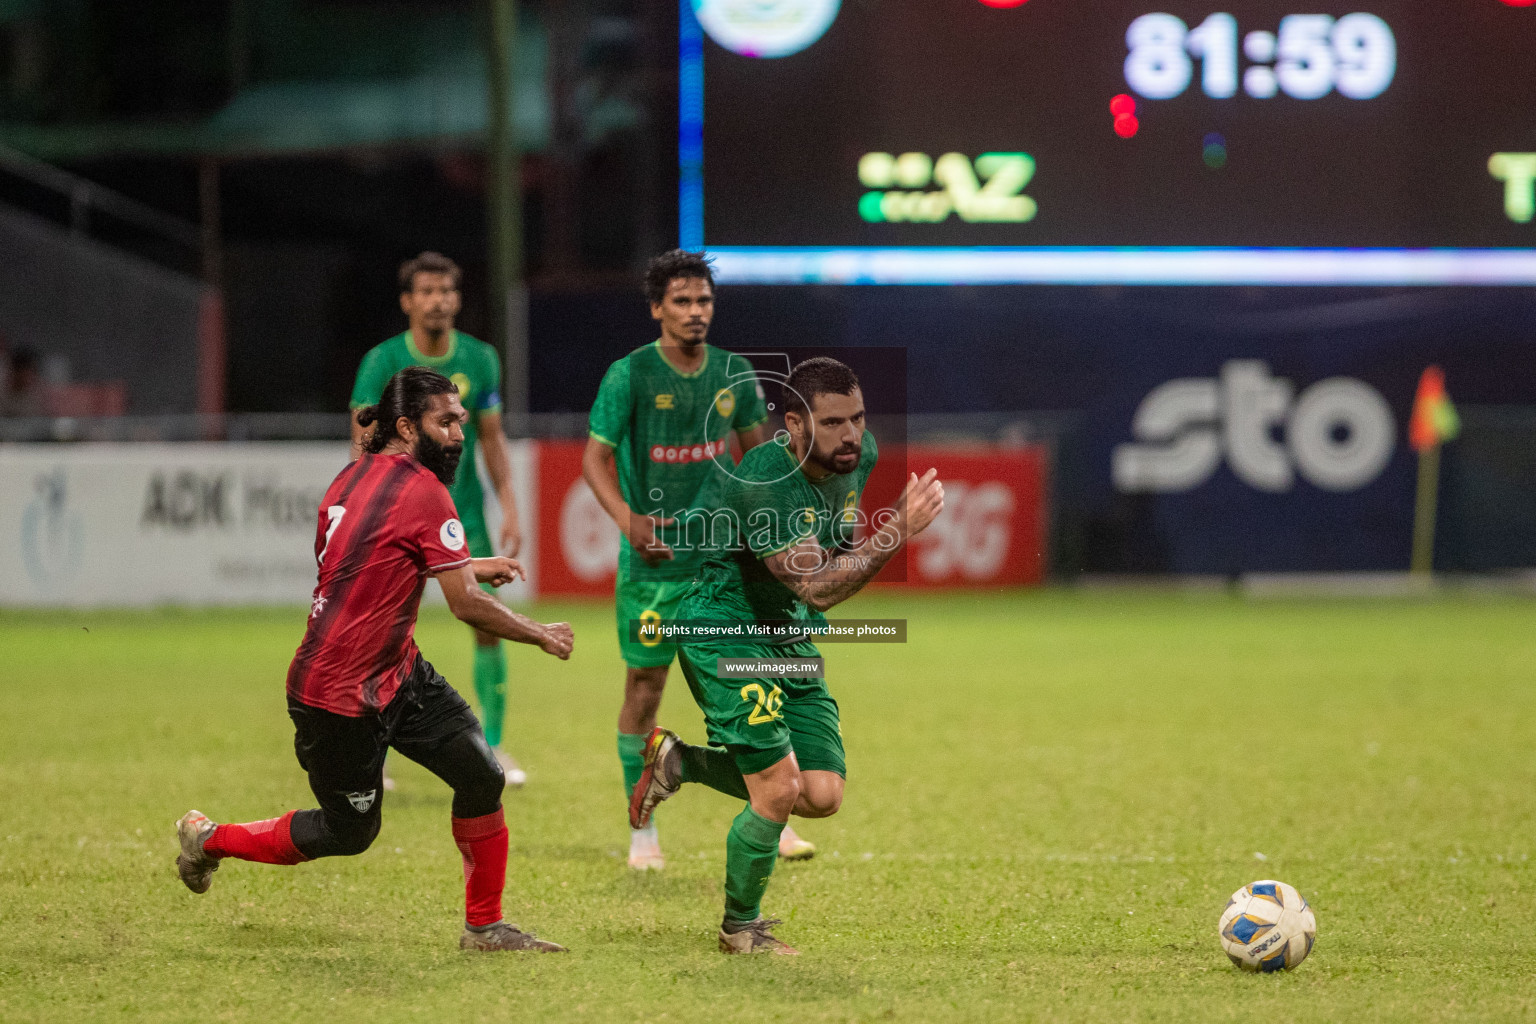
[{"x": 358, "y": 685}]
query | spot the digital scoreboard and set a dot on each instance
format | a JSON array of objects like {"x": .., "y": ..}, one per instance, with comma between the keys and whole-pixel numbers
[{"x": 1377, "y": 142}]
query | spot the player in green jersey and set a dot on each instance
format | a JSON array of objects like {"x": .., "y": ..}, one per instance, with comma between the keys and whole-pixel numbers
[
  {"x": 792, "y": 507},
  {"x": 429, "y": 297},
  {"x": 659, "y": 447}
]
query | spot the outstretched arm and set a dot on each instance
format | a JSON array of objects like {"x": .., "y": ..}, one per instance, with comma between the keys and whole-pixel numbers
[
  {"x": 475, "y": 607},
  {"x": 822, "y": 579}
]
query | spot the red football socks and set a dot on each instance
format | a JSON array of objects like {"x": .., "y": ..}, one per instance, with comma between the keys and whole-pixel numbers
[
  {"x": 266, "y": 842},
  {"x": 483, "y": 843}
]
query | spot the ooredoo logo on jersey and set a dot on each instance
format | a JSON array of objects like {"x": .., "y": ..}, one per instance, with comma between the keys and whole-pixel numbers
[{"x": 684, "y": 453}]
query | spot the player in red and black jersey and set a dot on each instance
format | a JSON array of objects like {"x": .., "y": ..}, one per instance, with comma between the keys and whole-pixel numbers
[{"x": 358, "y": 685}]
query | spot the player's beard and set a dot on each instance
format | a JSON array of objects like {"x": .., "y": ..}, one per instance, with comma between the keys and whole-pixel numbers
[
  {"x": 441, "y": 459},
  {"x": 829, "y": 462}
]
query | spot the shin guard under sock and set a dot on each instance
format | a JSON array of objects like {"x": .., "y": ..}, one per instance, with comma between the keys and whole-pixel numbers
[
  {"x": 751, "y": 851},
  {"x": 265, "y": 842},
  {"x": 482, "y": 842}
]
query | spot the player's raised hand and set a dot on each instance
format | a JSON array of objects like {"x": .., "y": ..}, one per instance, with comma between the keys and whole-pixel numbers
[
  {"x": 498, "y": 571},
  {"x": 642, "y": 537},
  {"x": 558, "y": 640},
  {"x": 921, "y": 501}
]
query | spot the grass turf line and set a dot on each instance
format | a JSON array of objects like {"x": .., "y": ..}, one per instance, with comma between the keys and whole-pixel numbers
[{"x": 1051, "y": 796}]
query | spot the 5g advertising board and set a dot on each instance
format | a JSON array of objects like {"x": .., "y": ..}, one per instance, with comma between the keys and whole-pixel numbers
[{"x": 992, "y": 533}]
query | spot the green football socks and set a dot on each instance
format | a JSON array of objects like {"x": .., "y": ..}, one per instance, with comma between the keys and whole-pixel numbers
[
  {"x": 631, "y": 759},
  {"x": 491, "y": 688},
  {"x": 713, "y": 767},
  {"x": 751, "y": 851}
]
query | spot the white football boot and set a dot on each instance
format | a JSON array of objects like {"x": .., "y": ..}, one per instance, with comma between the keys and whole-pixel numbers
[{"x": 510, "y": 768}]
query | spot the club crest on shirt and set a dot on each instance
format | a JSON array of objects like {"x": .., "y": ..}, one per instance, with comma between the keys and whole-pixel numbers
[
  {"x": 452, "y": 535},
  {"x": 461, "y": 382},
  {"x": 725, "y": 402},
  {"x": 362, "y": 801}
]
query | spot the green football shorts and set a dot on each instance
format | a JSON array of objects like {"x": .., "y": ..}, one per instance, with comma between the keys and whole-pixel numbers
[
  {"x": 647, "y": 601},
  {"x": 476, "y": 533},
  {"x": 762, "y": 720},
  {"x": 479, "y": 539}
]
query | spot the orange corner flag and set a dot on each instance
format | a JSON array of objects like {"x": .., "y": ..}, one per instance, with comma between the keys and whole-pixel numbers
[{"x": 1434, "y": 418}]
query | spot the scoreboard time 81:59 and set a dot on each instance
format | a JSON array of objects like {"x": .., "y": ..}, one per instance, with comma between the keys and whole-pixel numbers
[{"x": 1310, "y": 56}]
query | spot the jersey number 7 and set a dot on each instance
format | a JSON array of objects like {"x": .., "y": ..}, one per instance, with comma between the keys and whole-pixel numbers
[{"x": 334, "y": 514}]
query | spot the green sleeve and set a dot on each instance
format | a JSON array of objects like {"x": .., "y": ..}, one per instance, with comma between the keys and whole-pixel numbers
[
  {"x": 609, "y": 421},
  {"x": 867, "y": 461},
  {"x": 773, "y": 515},
  {"x": 488, "y": 394},
  {"x": 750, "y": 408},
  {"x": 372, "y": 374}
]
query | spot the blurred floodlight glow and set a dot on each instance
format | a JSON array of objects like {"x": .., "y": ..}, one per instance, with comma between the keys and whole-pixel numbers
[{"x": 765, "y": 28}]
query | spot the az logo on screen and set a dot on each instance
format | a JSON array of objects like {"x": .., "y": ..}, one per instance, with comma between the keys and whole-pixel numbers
[
  {"x": 986, "y": 191},
  {"x": 765, "y": 28}
]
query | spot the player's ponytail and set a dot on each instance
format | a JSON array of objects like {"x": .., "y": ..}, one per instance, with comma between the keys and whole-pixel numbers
[{"x": 407, "y": 394}]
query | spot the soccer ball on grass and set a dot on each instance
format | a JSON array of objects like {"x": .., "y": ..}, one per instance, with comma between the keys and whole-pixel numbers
[{"x": 1267, "y": 926}]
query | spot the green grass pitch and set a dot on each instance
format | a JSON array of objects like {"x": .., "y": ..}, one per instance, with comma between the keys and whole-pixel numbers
[{"x": 1051, "y": 797}]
